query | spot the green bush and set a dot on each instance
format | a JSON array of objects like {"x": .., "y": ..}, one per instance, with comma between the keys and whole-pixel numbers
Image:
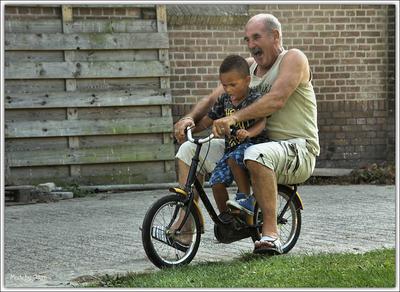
[
  {"x": 377, "y": 174},
  {"x": 374, "y": 174}
]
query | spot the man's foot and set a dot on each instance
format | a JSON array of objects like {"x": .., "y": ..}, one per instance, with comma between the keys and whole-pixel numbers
[
  {"x": 268, "y": 245},
  {"x": 246, "y": 204},
  {"x": 185, "y": 236}
]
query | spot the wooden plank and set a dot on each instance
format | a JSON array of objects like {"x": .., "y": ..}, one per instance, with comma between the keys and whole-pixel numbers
[
  {"x": 50, "y": 70},
  {"x": 41, "y": 143},
  {"x": 161, "y": 13},
  {"x": 21, "y": 175},
  {"x": 70, "y": 84},
  {"x": 88, "y": 99},
  {"x": 110, "y": 55},
  {"x": 33, "y": 56},
  {"x": 34, "y": 85},
  {"x": 80, "y": 25},
  {"x": 87, "y": 127},
  {"x": 85, "y": 41},
  {"x": 121, "y": 112},
  {"x": 40, "y": 25},
  {"x": 20, "y": 115},
  {"x": 96, "y": 155},
  {"x": 118, "y": 140},
  {"x": 108, "y": 84}
]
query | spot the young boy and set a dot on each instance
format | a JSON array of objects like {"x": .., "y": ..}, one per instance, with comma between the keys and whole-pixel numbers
[{"x": 235, "y": 78}]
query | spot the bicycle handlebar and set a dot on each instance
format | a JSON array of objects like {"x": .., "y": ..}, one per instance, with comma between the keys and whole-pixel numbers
[{"x": 200, "y": 141}]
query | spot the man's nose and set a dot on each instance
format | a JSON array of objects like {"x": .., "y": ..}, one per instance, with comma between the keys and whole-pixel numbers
[{"x": 250, "y": 44}]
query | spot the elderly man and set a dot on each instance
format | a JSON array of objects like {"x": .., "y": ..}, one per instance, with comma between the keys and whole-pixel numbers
[{"x": 288, "y": 102}]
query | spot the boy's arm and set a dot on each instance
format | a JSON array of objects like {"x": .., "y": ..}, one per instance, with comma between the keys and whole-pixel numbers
[{"x": 257, "y": 128}]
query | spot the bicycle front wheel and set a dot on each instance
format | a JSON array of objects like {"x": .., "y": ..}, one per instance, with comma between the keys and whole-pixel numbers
[
  {"x": 164, "y": 246},
  {"x": 289, "y": 225}
]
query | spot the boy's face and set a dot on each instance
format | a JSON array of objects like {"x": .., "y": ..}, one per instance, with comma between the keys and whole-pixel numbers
[{"x": 235, "y": 84}]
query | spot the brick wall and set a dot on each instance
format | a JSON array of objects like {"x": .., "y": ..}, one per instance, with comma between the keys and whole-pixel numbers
[{"x": 351, "y": 50}]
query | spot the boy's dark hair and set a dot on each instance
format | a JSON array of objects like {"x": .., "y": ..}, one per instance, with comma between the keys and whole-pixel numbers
[{"x": 235, "y": 62}]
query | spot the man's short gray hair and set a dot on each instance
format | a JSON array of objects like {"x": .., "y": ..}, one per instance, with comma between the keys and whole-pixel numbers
[{"x": 271, "y": 23}]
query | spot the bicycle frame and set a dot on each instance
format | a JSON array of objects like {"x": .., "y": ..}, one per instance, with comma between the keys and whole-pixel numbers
[{"x": 191, "y": 182}]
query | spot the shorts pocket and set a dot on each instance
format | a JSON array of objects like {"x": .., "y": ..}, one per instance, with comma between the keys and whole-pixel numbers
[{"x": 292, "y": 163}]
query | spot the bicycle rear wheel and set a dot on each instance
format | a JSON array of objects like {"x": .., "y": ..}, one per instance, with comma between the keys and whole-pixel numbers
[
  {"x": 289, "y": 226},
  {"x": 162, "y": 245}
]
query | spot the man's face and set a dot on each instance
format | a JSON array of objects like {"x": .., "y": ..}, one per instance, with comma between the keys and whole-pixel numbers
[{"x": 261, "y": 43}]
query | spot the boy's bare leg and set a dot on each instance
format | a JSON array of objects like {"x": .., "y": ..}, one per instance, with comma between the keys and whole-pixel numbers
[
  {"x": 240, "y": 177},
  {"x": 220, "y": 196}
]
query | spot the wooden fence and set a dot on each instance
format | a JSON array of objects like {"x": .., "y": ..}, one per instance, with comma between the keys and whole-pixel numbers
[{"x": 87, "y": 99}]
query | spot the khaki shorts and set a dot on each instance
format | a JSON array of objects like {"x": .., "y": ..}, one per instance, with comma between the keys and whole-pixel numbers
[
  {"x": 215, "y": 148},
  {"x": 290, "y": 160}
]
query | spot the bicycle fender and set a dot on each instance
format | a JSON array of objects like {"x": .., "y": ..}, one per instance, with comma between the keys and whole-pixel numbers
[
  {"x": 179, "y": 191},
  {"x": 297, "y": 199}
]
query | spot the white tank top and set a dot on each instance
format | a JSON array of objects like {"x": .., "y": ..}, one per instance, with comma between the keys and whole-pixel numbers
[{"x": 298, "y": 118}]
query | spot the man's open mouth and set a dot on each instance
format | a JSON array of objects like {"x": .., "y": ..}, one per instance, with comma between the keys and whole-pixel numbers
[{"x": 257, "y": 52}]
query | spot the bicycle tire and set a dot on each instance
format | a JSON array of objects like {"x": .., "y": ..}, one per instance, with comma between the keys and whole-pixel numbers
[
  {"x": 155, "y": 248},
  {"x": 288, "y": 238}
]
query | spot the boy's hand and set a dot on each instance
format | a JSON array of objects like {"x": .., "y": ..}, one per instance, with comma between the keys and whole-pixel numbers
[{"x": 242, "y": 134}]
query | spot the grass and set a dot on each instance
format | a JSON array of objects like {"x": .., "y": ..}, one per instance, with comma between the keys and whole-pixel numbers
[{"x": 372, "y": 269}]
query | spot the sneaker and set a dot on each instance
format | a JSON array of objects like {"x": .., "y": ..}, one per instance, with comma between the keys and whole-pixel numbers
[
  {"x": 240, "y": 196},
  {"x": 247, "y": 204}
]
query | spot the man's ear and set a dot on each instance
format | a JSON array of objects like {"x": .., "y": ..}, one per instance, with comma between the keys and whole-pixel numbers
[{"x": 276, "y": 35}]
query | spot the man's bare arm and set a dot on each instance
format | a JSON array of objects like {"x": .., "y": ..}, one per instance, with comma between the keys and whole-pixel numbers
[
  {"x": 205, "y": 104},
  {"x": 197, "y": 113}
]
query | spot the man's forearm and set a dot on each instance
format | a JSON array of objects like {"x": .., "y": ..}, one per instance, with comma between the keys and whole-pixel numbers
[
  {"x": 261, "y": 108},
  {"x": 204, "y": 105}
]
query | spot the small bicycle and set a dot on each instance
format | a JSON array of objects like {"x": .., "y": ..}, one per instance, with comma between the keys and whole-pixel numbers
[{"x": 165, "y": 221}]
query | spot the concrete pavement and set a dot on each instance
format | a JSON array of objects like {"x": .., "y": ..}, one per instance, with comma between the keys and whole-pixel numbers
[{"x": 60, "y": 244}]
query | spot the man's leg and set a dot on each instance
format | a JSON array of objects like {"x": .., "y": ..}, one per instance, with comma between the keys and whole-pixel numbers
[
  {"x": 183, "y": 172},
  {"x": 186, "y": 232},
  {"x": 184, "y": 158},
  {"x": 265, "y": 190}
]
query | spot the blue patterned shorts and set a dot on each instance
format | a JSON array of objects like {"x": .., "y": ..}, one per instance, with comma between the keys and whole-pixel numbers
[{"x": 222, "y": 173}]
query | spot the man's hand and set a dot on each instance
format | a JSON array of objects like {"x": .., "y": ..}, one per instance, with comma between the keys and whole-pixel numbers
[
  {"x": 221, "y": 126},
  {"x": 242, "y": 134},
  {"x": 180, "y": 127}
]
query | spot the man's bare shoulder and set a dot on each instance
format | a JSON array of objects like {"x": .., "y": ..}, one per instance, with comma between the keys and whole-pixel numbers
[
  {"x": 250, "y": 61},
  {"x": 295, "y": 58},
  {"x": 296, "y": 54}
]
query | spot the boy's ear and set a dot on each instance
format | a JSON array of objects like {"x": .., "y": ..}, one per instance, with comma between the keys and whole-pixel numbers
[{"x": 248, "y": 78}]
